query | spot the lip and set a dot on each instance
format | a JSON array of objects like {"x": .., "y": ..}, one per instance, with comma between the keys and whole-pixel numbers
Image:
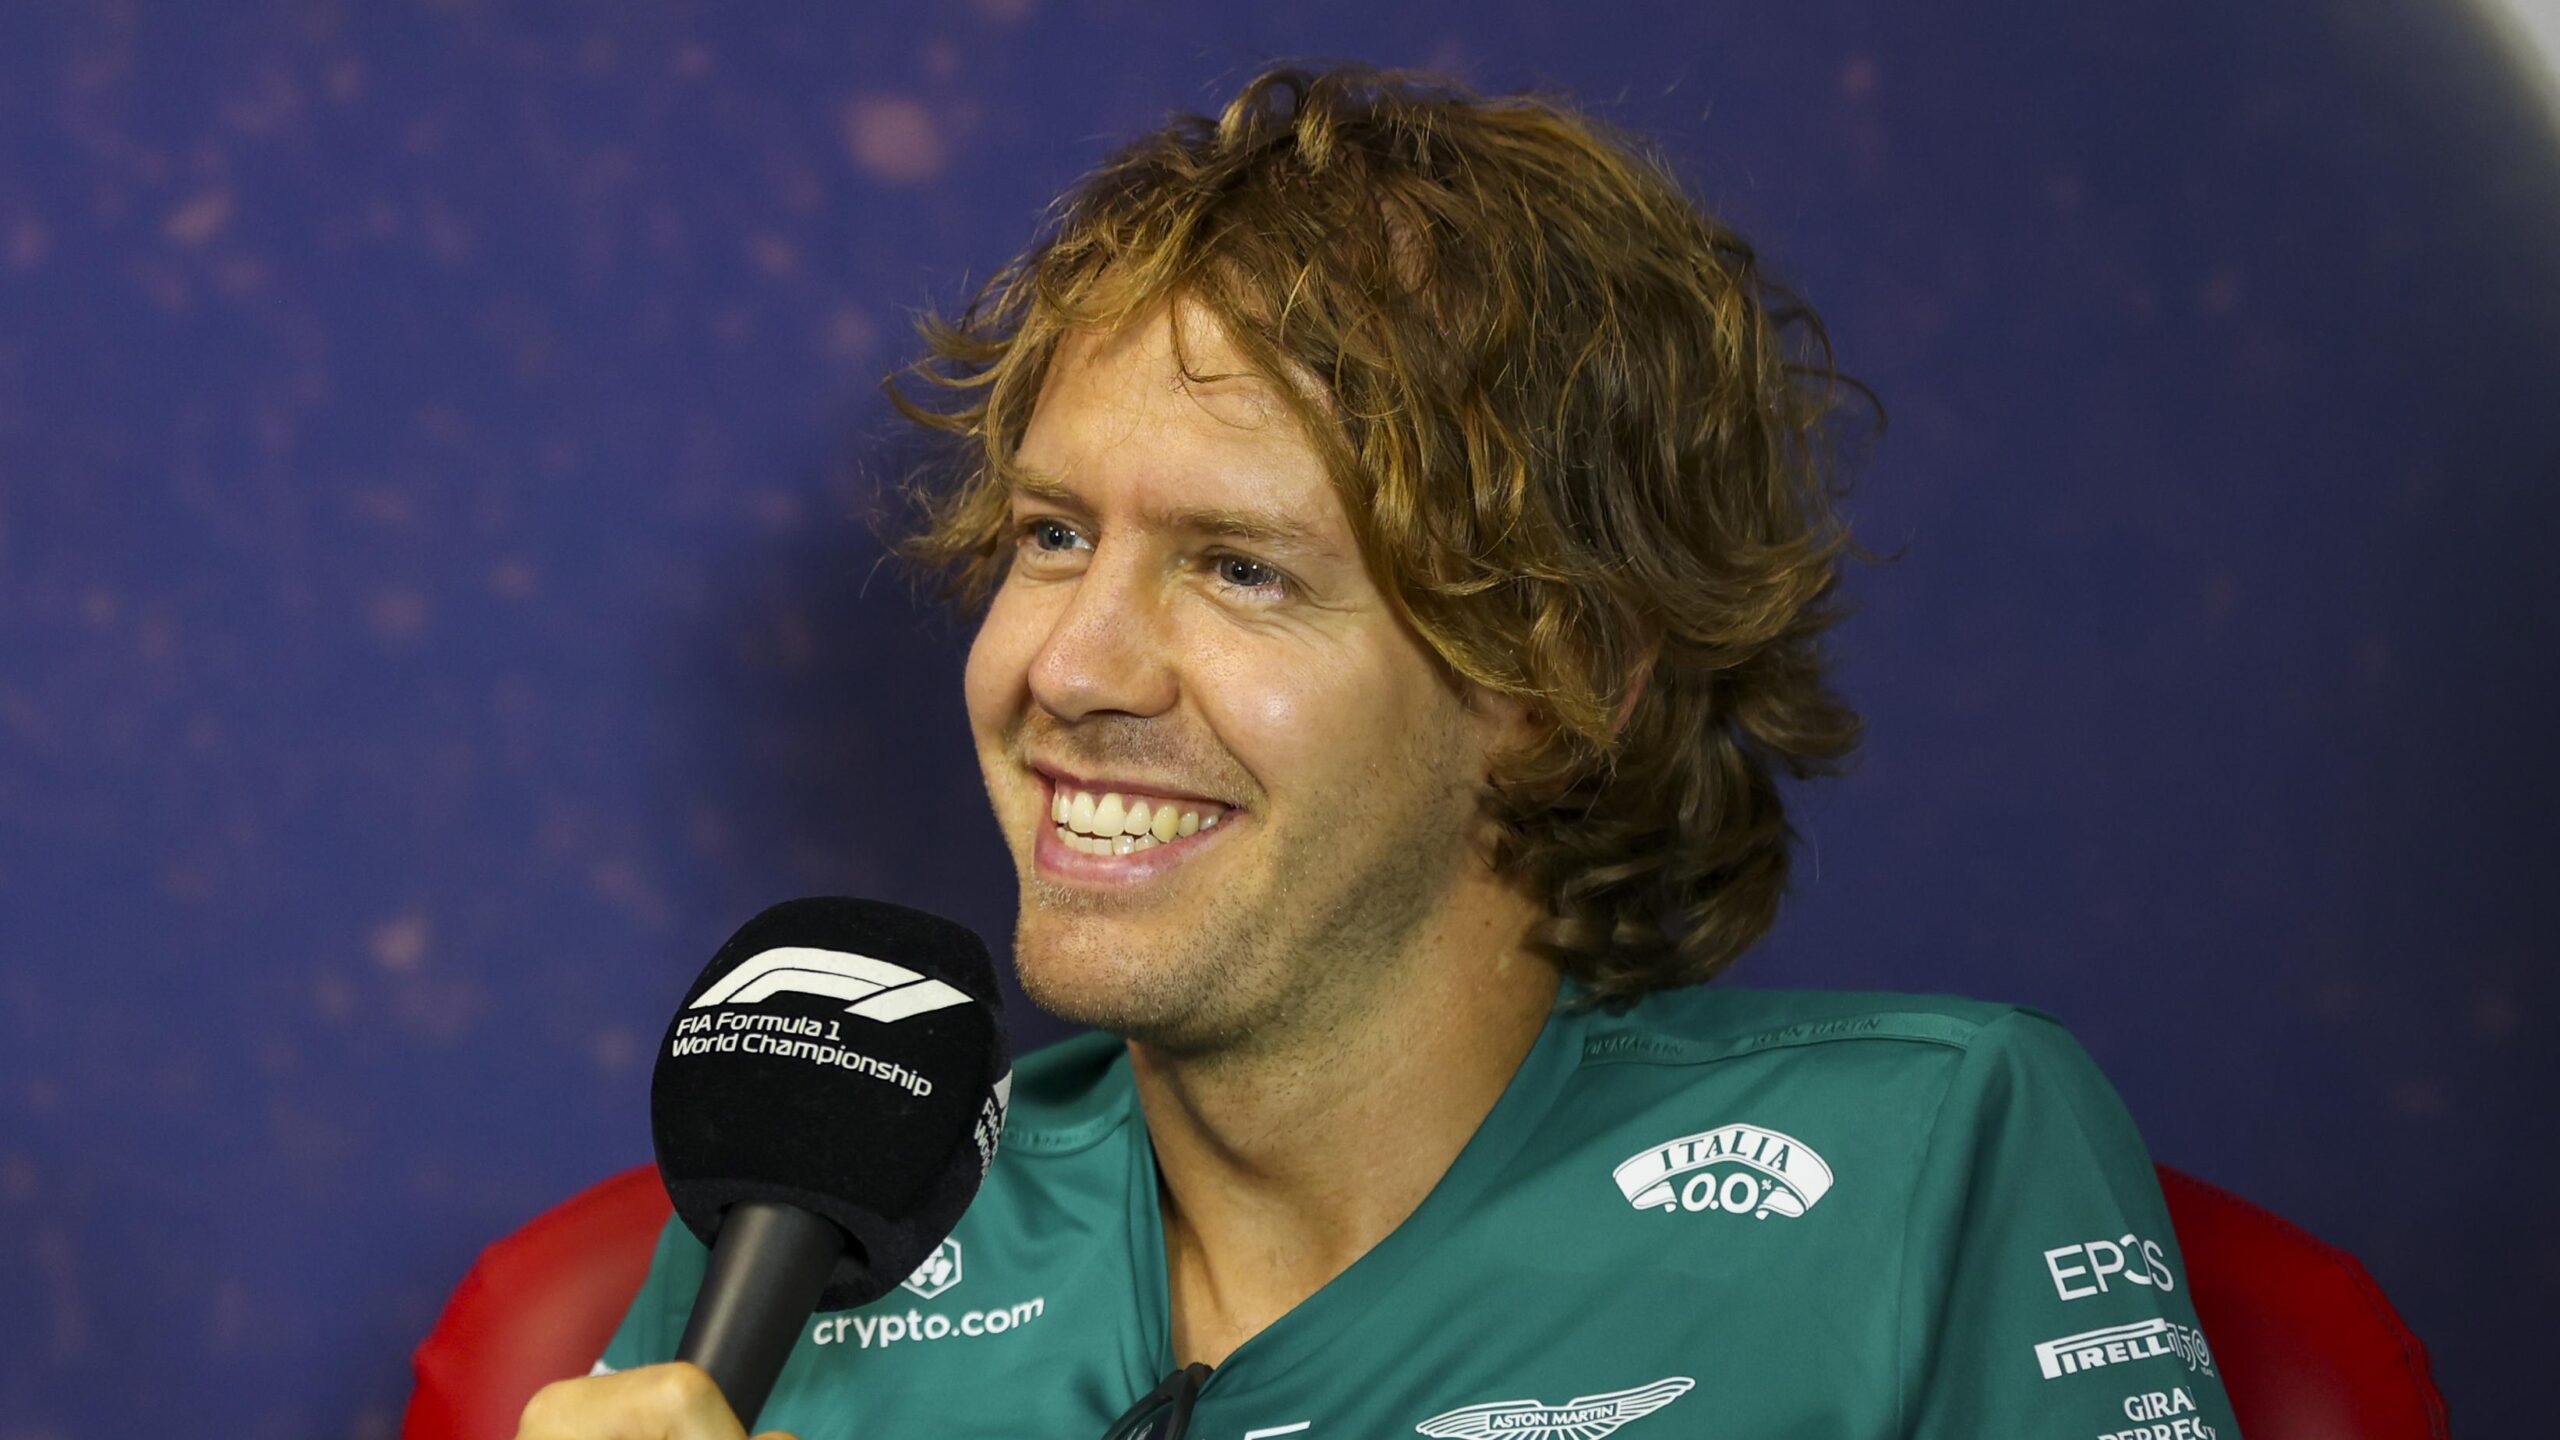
[{"x": 1055, "y": 860}]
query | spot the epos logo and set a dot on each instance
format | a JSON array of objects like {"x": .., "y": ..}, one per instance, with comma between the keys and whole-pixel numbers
[{"x": 2090, "y": 1267}]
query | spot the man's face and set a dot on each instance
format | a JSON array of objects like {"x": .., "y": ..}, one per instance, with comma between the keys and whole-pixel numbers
[{"x": 1144, "y": 645}]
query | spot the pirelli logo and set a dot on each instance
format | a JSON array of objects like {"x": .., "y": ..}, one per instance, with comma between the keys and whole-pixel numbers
[{"x": 2116, "y": 1344}]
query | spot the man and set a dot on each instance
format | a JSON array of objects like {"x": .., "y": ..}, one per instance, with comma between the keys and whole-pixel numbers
[{"x": 1404, "y": 555}]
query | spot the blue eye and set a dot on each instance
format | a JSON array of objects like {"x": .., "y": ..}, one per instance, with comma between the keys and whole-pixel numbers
[
  {"x": 1271, "y": 579},
  {"x": 1050, "y": 534}
]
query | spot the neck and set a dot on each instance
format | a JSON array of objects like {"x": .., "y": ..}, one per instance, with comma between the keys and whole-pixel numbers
[{"x": 1284, "y": 1163}]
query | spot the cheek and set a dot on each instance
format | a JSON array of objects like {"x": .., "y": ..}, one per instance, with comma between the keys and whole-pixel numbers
[
  {"x": 999, "y": 659},
  {"x": 1308, "y": 721}
]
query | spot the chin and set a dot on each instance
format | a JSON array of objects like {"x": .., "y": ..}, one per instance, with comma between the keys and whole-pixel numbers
[
  {"x": 1133, "y": 997},
  {"x": 1081, "y": 983}
]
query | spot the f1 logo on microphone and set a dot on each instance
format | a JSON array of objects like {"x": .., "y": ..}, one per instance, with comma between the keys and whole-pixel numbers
[{"x": 878, "y": 989}]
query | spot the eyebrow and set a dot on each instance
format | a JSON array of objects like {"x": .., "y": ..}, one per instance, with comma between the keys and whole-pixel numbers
[{"x": 1261, "y": 527}]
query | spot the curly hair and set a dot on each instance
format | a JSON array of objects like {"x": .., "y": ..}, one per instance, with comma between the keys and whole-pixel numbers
[{"x": 1560, "y": 405}]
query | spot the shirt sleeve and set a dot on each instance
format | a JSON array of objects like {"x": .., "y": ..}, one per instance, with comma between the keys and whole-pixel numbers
[
  {"x": 2042, "y": 1285},
  {"x": 655, "y": 1321}
]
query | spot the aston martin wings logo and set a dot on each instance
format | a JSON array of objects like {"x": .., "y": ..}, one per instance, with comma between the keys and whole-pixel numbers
[
  {"x": 1585, "y": 1417},
  {"x": 878, "y": 989}
]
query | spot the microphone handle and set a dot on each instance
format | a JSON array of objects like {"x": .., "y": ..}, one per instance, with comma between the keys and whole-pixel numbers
[{"x": 767, "y": 1266}]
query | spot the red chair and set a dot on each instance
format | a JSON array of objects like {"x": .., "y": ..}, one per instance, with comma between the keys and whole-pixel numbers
[
  {"x": 2305, "y": 1341},
  {"x": 2307, "y": 1345},
  {"x": 538, "y": 1306}
]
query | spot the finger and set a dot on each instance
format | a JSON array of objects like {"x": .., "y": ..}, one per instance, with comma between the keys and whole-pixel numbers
[{"x": 653, "y": 1402}]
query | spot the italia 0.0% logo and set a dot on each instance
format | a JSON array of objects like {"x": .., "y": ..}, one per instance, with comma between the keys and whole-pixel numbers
[{"x": 1744, "y": 1169}]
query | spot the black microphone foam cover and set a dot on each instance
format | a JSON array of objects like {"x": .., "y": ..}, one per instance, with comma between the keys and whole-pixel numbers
[{"x": 844, "y": 1056}]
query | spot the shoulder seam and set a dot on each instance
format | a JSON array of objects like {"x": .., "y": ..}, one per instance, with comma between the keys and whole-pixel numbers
[{"x": 1911, "y": 1027}]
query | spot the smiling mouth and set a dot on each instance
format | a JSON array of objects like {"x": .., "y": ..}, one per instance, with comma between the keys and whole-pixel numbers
[{"x": 1111, "y": 822}]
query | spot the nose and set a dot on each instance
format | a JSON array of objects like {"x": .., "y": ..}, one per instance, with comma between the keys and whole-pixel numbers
[{"x": 1108, "y": 649}]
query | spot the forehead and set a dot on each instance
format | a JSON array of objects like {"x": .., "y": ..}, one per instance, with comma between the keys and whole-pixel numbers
[{"x": 1118, "y": 425}]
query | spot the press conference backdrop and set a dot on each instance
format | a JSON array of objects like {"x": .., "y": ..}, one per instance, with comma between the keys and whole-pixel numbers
[{"x": 439, "y": 593}]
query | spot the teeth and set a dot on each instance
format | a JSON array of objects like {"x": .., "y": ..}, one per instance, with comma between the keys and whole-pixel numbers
[
  {"x": 1116, "y": 845},
  {"x": 1111, "y": 818}
]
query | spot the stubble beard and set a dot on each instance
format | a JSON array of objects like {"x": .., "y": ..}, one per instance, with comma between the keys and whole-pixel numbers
[{"x": 1250, "y": 972}]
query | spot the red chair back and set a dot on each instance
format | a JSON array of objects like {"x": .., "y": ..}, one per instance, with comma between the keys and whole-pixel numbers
[
  {"x": 2305, "y": 1342},
  {"x": 538, "y": 1306}
]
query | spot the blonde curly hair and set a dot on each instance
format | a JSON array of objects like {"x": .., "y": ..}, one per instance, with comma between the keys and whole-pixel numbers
[{"x": 1559, "y": 404}]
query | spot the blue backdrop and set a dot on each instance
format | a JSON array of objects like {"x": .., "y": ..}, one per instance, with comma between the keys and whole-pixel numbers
[{"x": 438, "y": 597}]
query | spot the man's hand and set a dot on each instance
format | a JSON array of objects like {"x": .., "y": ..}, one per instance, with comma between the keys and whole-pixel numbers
[{"x": 675, "y": 1401}]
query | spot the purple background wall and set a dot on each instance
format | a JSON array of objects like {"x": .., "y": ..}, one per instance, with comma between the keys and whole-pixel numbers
[{"x": 435, "y": 603}]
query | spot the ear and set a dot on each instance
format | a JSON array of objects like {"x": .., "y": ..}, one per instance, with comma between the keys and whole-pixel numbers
[{"x": 1504, "y": 724}]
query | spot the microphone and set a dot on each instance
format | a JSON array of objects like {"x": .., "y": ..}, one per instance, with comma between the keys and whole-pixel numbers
[{"x": 826, "y": 1103}]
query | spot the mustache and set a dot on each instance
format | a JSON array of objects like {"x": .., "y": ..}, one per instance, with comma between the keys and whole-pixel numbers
[{"x": 1110, "y": 744}]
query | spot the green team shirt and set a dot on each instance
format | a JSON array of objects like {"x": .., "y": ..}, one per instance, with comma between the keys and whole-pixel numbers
[{"x": 1722, "y": 1212}]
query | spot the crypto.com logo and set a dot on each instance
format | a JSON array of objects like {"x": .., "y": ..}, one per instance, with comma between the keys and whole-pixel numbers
[{"x": 939, "y": 1272}]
